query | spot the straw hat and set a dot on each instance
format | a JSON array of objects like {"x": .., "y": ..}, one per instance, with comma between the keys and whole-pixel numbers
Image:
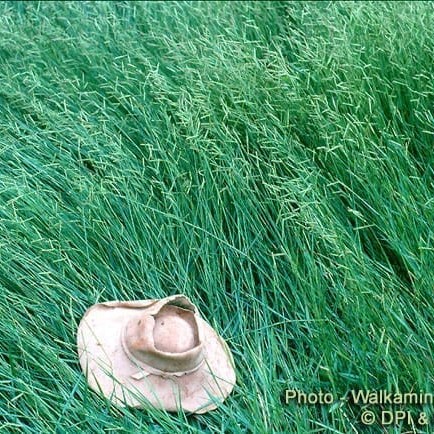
[{"x": 157, "y": 353}]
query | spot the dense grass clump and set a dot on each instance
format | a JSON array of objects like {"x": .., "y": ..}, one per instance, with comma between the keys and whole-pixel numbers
[{"x": 272, "y": 161}]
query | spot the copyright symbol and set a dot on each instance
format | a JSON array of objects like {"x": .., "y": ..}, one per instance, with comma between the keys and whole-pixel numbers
[{"x": 367, "y": 417}]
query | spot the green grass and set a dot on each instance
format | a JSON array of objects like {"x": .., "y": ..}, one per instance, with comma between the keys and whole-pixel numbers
[{"x": 272, "y": 161}]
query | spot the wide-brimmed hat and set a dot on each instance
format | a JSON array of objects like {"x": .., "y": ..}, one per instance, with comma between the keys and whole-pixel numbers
[{"x": 157, "y": 353}]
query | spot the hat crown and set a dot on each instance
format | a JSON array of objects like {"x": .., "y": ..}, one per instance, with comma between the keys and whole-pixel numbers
[{"x": 165, "y": 339}]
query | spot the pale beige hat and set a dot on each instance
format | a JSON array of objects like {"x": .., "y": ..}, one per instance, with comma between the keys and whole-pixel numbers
[{"x": 157, "y": 353}]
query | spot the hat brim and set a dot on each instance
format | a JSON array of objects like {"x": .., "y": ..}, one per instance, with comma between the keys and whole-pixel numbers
[{"x": 109, "y": 370}]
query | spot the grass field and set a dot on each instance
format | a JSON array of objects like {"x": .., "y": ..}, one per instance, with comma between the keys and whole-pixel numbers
[{"x": 272, "y": 161}]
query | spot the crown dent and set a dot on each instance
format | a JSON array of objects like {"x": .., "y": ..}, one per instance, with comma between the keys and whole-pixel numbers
[{"x": 166, "y": 342}]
